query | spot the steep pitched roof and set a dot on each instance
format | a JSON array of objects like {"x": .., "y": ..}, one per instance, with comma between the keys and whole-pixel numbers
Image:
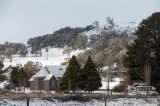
[
  {"x": 42, "y": 73},
  {"x": 49, "y": 76},
  {"x": 48, "y": 71},
  {"x": 57, "y": 71},
  {"x": 32, "y": 78}
]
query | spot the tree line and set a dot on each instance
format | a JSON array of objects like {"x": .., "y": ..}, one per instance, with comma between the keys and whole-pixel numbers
[
  {"x": 72, "y": 37},
  {"x": 15, "y": 48},
  {"x": 76, "y": 38},
  {"x": 75, "y": 78},
  {"x": 60, "y": 38},
  {"x": 19, "y": 75}
]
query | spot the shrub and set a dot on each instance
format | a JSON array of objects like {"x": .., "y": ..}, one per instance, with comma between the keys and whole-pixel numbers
[
  {"x": 2, "y": 78},
  {"x": 119, "y": 88}
]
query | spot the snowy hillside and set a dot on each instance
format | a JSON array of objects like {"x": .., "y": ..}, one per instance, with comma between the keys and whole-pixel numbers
[
  {"x": 120, "y": 26},
  {"x": 55, "y": 57}
]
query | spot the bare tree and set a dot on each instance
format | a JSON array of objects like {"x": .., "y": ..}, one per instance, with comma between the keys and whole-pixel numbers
[
  {"x": 9, "y": 52},
  {"x": 147, "y": 67},
  {"x": 81, "y": 42},
  {"x": 47, "y": 52},
  {"x": 67, "y": 50},
  {"x": 31, "y": 68},
  {"x": 147, "y": 75}
]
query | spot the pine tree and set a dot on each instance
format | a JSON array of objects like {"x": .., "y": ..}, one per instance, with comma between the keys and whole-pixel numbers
[
  {"x": 145, "y": 50},
  {"x": 134, "y": 63},
  {"x": 70, "y": 78},
  {"x": 92, "y": 79}
]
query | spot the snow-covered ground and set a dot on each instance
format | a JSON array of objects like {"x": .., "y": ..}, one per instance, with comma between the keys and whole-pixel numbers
[
  {"x": 3, "y": 83},
  {"x": 112, "y": 84},
  {"x": 114, "y": 102},
  {"x": 55, "y": 57}
]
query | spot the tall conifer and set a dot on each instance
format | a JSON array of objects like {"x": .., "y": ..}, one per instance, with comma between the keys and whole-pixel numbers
[
  {"x": 92, "y": 79},
  {"x": 145, "y": 50},
  {"x": 70, "y": 78}
]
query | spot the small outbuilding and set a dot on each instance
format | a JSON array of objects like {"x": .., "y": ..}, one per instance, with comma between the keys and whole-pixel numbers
[{"x": 47, "y": 78}]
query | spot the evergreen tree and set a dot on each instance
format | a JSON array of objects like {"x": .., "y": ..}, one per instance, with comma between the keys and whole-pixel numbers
[
  {"x": 145, "y": 50},
  {"x": 70, "y": 78},
  {"x": 14, "y": 76},
  {"x": 2, "y": 77},
  {"x": 23, "y": 78},
  {"x": 19, "y": 77},
  {"x": 91, "y": 79},
  {"x": 1, "y": 65}
]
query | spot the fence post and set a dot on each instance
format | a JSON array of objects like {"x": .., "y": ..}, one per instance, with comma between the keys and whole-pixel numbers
[
  {"x": 105, "y": 101},
  {"x": 27, "y": 101}
]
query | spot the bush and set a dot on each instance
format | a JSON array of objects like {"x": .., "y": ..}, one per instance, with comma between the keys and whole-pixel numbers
[
  {"x": 74, "y": 97},
  {"x": 2, "y": 78},
  {"x": 119, "y": 88},
  {"x": 9, "y": 86}
]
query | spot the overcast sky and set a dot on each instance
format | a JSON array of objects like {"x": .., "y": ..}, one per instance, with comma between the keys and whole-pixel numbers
[{"x": 23, "y": 19}]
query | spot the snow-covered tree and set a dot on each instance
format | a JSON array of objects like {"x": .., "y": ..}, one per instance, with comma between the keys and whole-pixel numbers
[
  {"x": 96, "y": 24},
  {"x": 110, "y": 23}
]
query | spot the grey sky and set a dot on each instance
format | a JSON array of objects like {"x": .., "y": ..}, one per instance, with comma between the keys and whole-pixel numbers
[{"x": 22, "y": 19}]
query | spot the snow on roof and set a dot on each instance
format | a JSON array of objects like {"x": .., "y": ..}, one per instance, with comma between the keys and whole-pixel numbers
[
  {"x": 32, "y": 78},
  {"x": 57, "y": 71},
  {"x": 48, "y": 71},
  {"x": 48, "y": 77},
  {"x": 42, "y": 73}
]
